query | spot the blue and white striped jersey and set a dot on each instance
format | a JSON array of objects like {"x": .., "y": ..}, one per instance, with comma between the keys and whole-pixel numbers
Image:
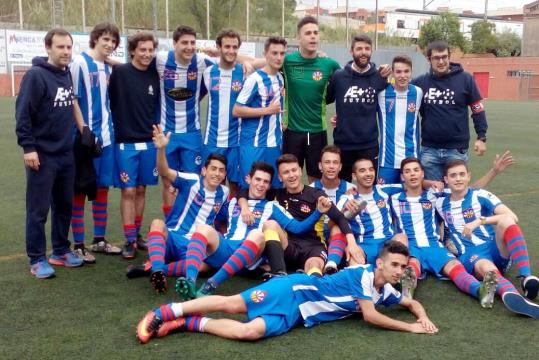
[
  {"x": 224, "y": 86},
  {"x": 258, "y": 91},
  {"x": 399, "y": 125},
  {"x": 476, "y": 203},
  {"x": 90, "y": 84},
  {"x": 335, "y": 297},
  {"x": 374, "y": 223},
  {"x": 333, "y": 194},
  {"x": 181, "y": 116},
  {"x": 194, "y": 204}
]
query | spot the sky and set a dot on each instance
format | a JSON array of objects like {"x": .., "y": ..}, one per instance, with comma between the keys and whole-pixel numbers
[{"x": 477, "y": 6}]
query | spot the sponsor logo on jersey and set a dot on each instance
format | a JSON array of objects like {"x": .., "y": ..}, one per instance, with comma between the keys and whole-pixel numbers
[
  {"x": 169, "y": 75},
  {"x": 257, "y": 296},
  {"x": 381, "y": 203},
  {"x": 236, "y": 85},
  {"x": 427, "y": 205},
  {"x": 150, "y": 90},
  {"x": 356, "y": 94},
  {"x": 317, "y": 75},
  {"x": 411, "y": 107},
  {"x": 215, "y": 82},
  {"x": 217, "y": 206},
  {"x": 404, "y": 207},
  {"x": 124, "y": 177},
  {"x": 192, "y": 75},
  {"x": 468, "y": 213},
  {"x": 448, "y": 217},
  {"x": 391, "y": 104},
  {"x": 473, "y": 258},
  {"x": 236, "y": 211},
  {"x": 305, "y": 208},
  {"x": 440, "y": 97},
  {"x": 199, "y": 199},
  {"x": 64, "y": 97}
]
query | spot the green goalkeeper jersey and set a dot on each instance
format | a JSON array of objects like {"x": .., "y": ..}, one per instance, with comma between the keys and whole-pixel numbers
[{"x": 305, "y": 99}]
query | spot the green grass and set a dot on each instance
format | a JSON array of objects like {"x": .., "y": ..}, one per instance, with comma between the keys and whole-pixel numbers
[{"x": 92, "y": 311}]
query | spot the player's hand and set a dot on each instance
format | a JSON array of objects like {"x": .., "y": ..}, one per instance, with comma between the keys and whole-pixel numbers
[
  {"x": 351, "y": 191},
  {"x": 437, "y": 186},
  {"x": 159, "y": 138},
  {"x": 352, "y": 206},
  {"x": 210, "y": 51},
  {"x": 247, "y": 216},
  {"x": 427, "y": 325},
  {"x": 354, "y": 254},
  {"x": 172, "y": 190},
  {"x": 274, "y": 107},
  {"x": 323, "y": 204},
  {"x": 470, "y": 227},
  {"x": 31, "y": 160},
  {"x": 333, "y": 121},
  {"x": 384, "y": 70},
  {"x": 501, "y": 162},
  {"x": 480, "y": 147},
  {"x": 248, "y": 68}
]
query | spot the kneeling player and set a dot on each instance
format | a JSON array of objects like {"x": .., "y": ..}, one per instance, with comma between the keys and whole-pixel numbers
[{"x": 279, "y": 305}]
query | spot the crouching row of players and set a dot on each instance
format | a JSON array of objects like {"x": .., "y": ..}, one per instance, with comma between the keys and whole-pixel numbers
[{"x": 283, "y": 234}]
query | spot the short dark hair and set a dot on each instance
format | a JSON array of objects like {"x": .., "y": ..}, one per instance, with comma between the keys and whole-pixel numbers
[
  {"x": 361, "y": 158},
  {"x": 361, "y": 38},
  {"x": 403, "y": 59},
  {"x": 411, "y": 159},
  {"x": 103, "y": 28},
  {"x": 274, "y": 40},
  {"x": 334, "y": 149},
  {"x": 217, "y": 157},
  {"x": 56, "y": 31},
  {"x": 287, "y": 159},
  {"x": 438, "y": 45},
  {"x": 306, "y": 20},
  {"x": 229, "y": 33},
  {"x": 133, "y": 40},
  {"x": 183, "y": 30},
  {"x": 261, "y": 166},
  {"x": 394, "y": 247},
  {"x": 454, "y": 163}
]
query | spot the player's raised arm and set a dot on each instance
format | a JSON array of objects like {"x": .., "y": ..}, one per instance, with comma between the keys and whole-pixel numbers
[
  {"x": 160, "y": 141},
  {"x": 499, "y": 164}
]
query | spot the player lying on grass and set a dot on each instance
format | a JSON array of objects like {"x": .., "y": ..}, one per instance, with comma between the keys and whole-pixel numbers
[
  {"x": 487, "y": 237},
  {"x": 275, "y": 307},
  {"x": 242, "y": 245}
]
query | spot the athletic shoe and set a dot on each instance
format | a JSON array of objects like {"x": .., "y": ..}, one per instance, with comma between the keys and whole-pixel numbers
[
  {"x": 129, "y": 251},
  {"x": 170, "y": 326},
  {"x": 159, "y": 281},
  {"x": 106, "y": 248},
  {"x": 408, "y": 282},
  {"x": 530, "y": 286},
  {"x": 267, "y": 276},
  {"x": 136, "y": 271},
  {"x": 518, "y": 304},
  {"x": 450, "y": 246},
  {"x": 330, "y": 268},
  {"x": 148, "y": 326},
  {"x": 42, "y": 270},
  {"x": 186, "y": 288},
  {"x": 207, "y": 289},
  {"x": 487, "y": 290},
  {"x": 141, "y": 243},
  {"x": 84, "y": 254},
  {"x": 69, "y": 260}
]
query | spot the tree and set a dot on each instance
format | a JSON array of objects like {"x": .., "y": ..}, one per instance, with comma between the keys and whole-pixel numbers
[
  {"x": 509, "y": 44},
  {"x": 483, "y": 38},
  {"x": 445, "y": 27}
]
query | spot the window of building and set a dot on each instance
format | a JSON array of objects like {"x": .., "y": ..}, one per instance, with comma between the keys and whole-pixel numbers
[{"x": 400, "y": 24}]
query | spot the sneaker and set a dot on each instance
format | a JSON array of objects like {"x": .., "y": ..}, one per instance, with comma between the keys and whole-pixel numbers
[
  {"x": 129, "y": 251},
  {"x": 159, "y": 281},
  {"x": 141, "y": 243},
  {"x": 69, "y": 259},
  {"x": 450, "y": 246},
  {"x": 518, "y": 304},
  {"x": 487, "y": 290},
  {"x": 170, "y": 326},
  {"x": 106, "y": 248},
  {"x": 530, "y": 286},
  {"x": 42, "y": 270},
  {"x": 186, "y": 288},
  {"x": 330, "y": 268},
  {"x": 148, "y": 326},
  {"x": 267, "y": 276},
  {"x": 136, "y": 271},
  {"x": 85, "y": 255},
  {"x": 207, "y": 289},
  {"x": 408, "y": 282}
]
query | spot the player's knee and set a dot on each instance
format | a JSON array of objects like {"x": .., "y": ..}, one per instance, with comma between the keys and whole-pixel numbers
[
  {"x": 250, "y": 332},
  {"x": 270, "y": 225},
  {"x": 231, "y": 304},
  {"x": 256, "y": 236},
  {"x": 506, "y": 220},
  {"x": 157, "y": 225},
  {"x": 314, "y": 262},
  {"x": 141, "y": 190},
  {"x": 204, "y": 229},
  {"x": 334, "y": 229},
  {"x": 129, "y": 193},
  {"x": 402, "y": 238}
]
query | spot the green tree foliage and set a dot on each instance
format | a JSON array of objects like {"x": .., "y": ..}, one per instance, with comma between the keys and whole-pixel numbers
[
  {"x": 442, "y": 27},
  {"x": 483, "y": 37},
  {"x": 509, "y": 44}
]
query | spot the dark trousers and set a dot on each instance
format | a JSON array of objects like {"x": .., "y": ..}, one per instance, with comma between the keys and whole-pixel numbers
[
  {"x": 307, "y": 147},
  {"x": 49, "y": 187},
  {"x": 348, "y": 157}
]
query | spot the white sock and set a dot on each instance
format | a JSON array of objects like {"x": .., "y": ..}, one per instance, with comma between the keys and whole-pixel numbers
[{"x": 177, "y": 309}]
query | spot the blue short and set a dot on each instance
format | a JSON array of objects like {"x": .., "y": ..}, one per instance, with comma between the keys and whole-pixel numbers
[
  {"x": 389, "y": 175},
  {"x": 250, "y": 154},
  {"x": 183, "y": 152},
  {"x": 232, "y": 160},
  {"x": 488, "y": 251},
  {"x": 176, "y": 248},
  {"x": 371, "y": 249},
  {"x": 275, "y": 303},
  {"x": 105, "y": 167},
  {"x": 432, "y": 259},
  {"x": 136, "y": 165}
]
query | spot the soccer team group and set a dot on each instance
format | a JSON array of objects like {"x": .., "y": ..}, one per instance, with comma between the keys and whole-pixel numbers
[{"x": 348, "y": 244}]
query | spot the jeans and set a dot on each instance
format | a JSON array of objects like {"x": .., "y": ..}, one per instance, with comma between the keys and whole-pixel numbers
[{"x": 434, "y": 160}]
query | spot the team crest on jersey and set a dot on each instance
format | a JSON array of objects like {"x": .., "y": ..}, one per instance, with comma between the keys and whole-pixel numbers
[
  {"x": 215, "y": 83},
  {"x": 473, "y": 258},
  {"x": 317, "y": 75},
  {"x": 448, "y": 217},
  {"x": 217, "y": 206},
  {"x": 468, "y": 213},
  {"x": 192, "y": 75},
  {"x": 199, "y": 199},
  {"x": 381, "y": 203},
  {"x": 257, "y": 213},
  {"x": 236, "y": 85},
  {"x": 198, "y": 160},
  {"x": 169, "y": 75},
  {"x": 411, "y": 107},
  {"x": 381, "y": 181},
  {"x": 257, "y": 296},
  {"x": 427, "y": 205},
  {"x": 236, "y": 211},
  {"x": 124, "y": 177},
  {"x": 305, "y": 208}
]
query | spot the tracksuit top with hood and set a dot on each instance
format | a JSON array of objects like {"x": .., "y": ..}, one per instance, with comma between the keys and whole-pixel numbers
[
  {"x": 356, "y": 96},
  {"x": 444, "y": 109}
]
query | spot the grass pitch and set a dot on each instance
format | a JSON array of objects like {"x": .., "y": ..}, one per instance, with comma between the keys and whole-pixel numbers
[{"x": 92, "y": 312}]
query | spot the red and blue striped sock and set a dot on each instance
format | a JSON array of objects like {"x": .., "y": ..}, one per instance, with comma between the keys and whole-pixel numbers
[
  {"x": 99, "y": 211},
  {"x": 138, "y": 222},
  {"x": 196, "y": 253},
  {"x": 176, "y": 268},
  {"x": 130, "y": 233},
  {"x": 77, "y": 218},
  {"x": 504, "y": 285},
  {"x": 165, "y": 312},
  {"x": 336, "y": 248},
  {"x": 156, "y": 249},
  {"x": 195, "y": 323},
  {"x": 166, "y": 210},
  {"x": 464, "y": 281},
  {"x": 241, "y": 258},
  {"x": 518, "y": 249}
]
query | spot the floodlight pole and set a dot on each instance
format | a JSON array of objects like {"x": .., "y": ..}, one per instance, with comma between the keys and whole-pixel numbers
[
  {"x": 83, "y": 13},
  {"x": 208, "y": 19},
  {"x": 282, "y": 18},
  {"x": 247, "y": 21},
  {"x": 154, "y": 16},
  {"x": 122, "y": 14},
  {"x": 20, "y": 15},
  {"x": 376, "y": 26},
  {"x": 113, "y": 8},
  {"x": 166, "y": 18},
  {"x": 346, "y": 25}
]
